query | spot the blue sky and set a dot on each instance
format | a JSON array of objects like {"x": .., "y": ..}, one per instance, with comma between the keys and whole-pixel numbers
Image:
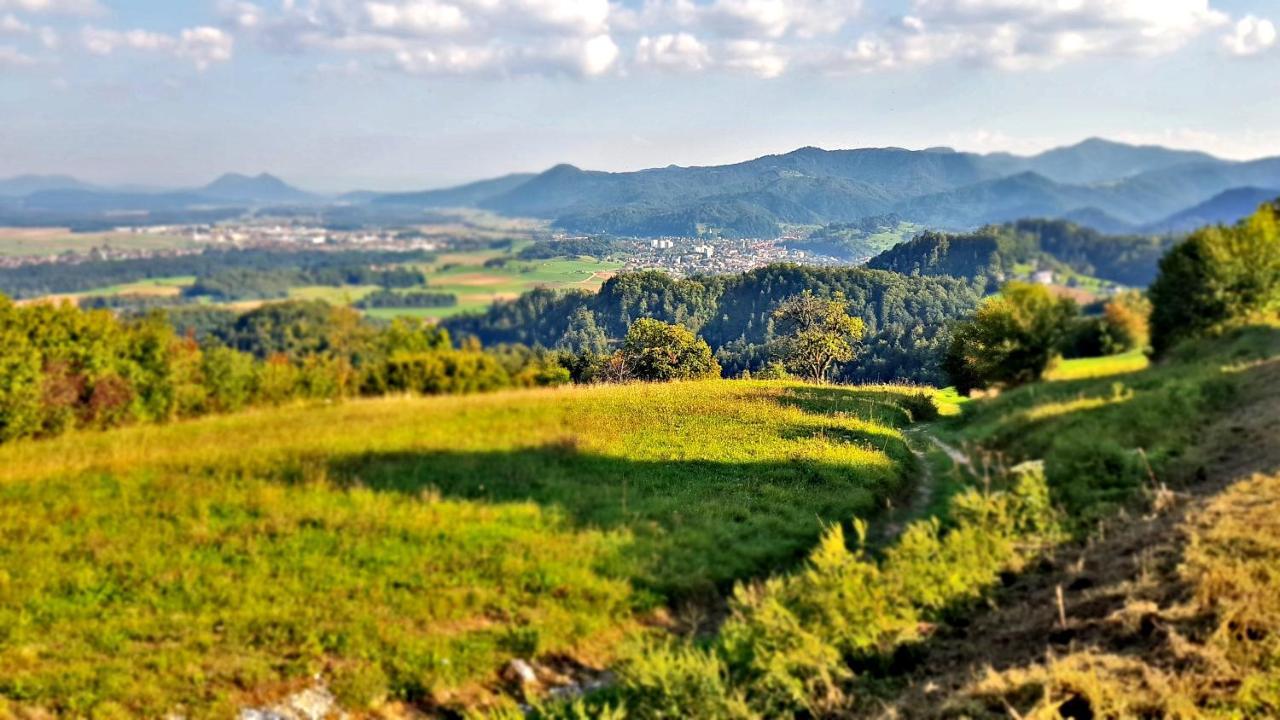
[{"x": 393, "y": 94}]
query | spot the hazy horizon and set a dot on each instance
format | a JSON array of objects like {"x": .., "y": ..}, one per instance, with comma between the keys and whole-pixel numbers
[
  {"x": 143, "y": 185},
  {"x": 407, "y": 94}
]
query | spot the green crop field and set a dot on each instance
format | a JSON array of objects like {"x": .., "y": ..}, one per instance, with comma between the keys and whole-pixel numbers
[{"x": 409, "y": 545}]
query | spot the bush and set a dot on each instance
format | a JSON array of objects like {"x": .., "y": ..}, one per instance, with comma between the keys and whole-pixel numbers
[
  {"x": 446, "y": 372},
  {"x": 1010, "y": 339},
  {"x": 654, "y": 350},
  {"x": 789, "y": 644},
  {"x": 920, "y": 405}
]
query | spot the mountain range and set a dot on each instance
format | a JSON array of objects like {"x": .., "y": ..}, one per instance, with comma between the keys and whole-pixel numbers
[{"x": 1112, "y": 187}]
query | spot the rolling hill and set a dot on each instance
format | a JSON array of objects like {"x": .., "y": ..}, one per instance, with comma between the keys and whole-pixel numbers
[
  {"x": 1111, "y": 186},
  {"x": 1116, "y": 186},
  {"x": 1222, "y": 209},
  {"x": 409, "y": 548}
]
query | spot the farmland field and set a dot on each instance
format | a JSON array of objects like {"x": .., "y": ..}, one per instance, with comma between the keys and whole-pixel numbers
[
  {"x": 409, "y": 546},
  {"x": 24, "y": 242}
]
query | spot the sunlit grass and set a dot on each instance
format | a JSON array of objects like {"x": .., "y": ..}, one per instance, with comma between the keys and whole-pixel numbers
[
  {"x": 1104, "y": 437},
  {"x": 406, "y": 545},
  {"x": 1086, "y": 368}
]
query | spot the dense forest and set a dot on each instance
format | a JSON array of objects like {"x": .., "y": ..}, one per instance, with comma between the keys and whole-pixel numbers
[
  {"x": 61, "y": 278},
  {"x": 990, "y": 254},
  {"x": 250, "y": 284},
  {"x": 906, "y": 317}
]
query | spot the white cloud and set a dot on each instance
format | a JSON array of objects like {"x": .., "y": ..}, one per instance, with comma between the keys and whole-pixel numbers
[
  {"x": 243, "y": 15},
  {"x": 763, "y": 59},
  {"x": 673, "y": 51},
  {"x": 444, "y": 37},
  {"x": 425, "y": 17},
  {"x": 11, "y": 25},
  {"x": 743, "y": 19},
  {"x": 202, "y": 46},
  {"x": 582, "y": 17},
  {"x": 12, "y": 57},
  {"x": 1022, "y": 33},
  {"x": 766, "y": 38},
  {"x": 1251, "y": 35},
  {"x": 597, "y": 55},
  {"x": 64, "y": 7},
  {"x": 1033, "y": 34}
]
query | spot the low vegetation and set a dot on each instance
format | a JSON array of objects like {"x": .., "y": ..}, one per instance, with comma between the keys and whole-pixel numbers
[{"x": 406, "y": 548}]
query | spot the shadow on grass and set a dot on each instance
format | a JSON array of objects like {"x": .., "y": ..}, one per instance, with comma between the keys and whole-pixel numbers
[
  {"x": 697, "y": 526},
  {"x": 871, "y": 405}
]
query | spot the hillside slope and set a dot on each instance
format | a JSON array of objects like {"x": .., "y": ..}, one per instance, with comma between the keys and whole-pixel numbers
[
  {"x": 407, "y": 548},
  {"x": 1169, "y": 612}
]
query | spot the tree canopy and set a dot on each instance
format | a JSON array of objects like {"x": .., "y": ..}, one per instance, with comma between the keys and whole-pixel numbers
[
  {"x": 654, "y": 350},
  {"x": 816, "y": 333},
  {"x": 1216, "y": 277}
]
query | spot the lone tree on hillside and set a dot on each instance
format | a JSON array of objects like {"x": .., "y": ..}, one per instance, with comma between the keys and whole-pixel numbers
[
  {"x": 654, "y": 350},
  {"x": 816, "y": 333},
  {"x": 1217, "y": 276},
  {"x": 1010, "y": 339}
]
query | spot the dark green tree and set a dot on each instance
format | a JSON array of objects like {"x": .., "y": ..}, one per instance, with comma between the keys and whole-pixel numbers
[{"x": 1217, "y": 276}]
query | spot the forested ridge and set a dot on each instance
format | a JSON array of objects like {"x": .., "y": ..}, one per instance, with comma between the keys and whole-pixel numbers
[
  {"x": 906, "y": 317},
  {"x": 992, "y": 252}
]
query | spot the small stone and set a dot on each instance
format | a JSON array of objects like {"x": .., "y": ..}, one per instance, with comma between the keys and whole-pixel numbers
[{"x": 520, "y": 672}]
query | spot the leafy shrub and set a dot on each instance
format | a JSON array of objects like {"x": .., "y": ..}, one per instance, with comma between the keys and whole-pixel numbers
[
  {"x": 788, "y": 646},
  {"x": 920, "y": 405},
  {"x": 1216, "y": 277},
  {"x": 654, "y": 350},
  {"x": 1010, "y": 339}
]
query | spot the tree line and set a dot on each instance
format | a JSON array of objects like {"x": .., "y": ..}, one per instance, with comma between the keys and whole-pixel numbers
[
  {"x": 66, "y": 277},
  {"x": 64, "y": 368},
  {"x": 230, "y": 284}
]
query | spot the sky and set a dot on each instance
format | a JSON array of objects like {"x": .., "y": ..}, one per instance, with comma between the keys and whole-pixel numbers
[{"x": 406, "y": 94}]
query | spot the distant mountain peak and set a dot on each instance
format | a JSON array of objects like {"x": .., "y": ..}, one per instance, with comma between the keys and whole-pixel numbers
[
  {"x": 263, "y": 187},
  {"x": 262, "y": 178}
]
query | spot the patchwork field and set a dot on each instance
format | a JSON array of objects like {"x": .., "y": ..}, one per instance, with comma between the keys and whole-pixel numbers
[
  {"x": 409, "y": 547},
  {"x": 462, "y": 274},
  {"x": 478, "y": 286}
]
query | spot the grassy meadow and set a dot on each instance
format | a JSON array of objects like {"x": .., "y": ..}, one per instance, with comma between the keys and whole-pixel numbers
[
  {"x": 409, "y": 547},
  {"x": 1096, "y": 367}
]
